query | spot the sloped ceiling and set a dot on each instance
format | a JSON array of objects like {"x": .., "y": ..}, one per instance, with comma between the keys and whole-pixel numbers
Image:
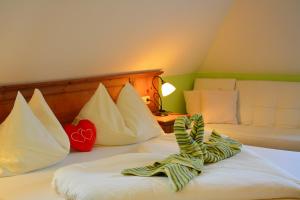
[
  {"x": 257, "y": 37},
  {"x": 46, "y": 40}
]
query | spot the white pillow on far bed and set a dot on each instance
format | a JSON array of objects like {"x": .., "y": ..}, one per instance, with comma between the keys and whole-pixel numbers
[
  {"x": 137, "y": 115},
  {"x": 216, "y": 106},
  {"x": 25, "y": 144},
  {"x": 192, "y": 101},
  {"x": 43, "y": 112},
  {"x": 110, "y": 125}
]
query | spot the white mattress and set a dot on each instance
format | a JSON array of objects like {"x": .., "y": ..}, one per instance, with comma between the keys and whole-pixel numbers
[{"x": 37, "y": 185}]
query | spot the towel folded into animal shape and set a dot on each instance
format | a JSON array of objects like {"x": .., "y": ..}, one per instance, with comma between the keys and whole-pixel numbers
[{"x": 194, "y": 153}]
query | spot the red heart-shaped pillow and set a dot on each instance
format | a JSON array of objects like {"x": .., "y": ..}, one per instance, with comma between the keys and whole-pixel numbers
[{"x": 82, "y": 136}]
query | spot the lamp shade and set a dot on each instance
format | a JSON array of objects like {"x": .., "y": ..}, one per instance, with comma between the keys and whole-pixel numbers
[{"x": 167, "y": 88}]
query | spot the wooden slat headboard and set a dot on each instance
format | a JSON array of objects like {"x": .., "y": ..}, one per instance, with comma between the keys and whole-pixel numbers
[{"x": 67, "y": 97}]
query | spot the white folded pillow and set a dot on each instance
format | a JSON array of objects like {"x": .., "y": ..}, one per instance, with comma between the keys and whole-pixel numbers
[
  {"x": 43, "y": 112},
  {"x": 110, "y": 125},
  {"x": 137, "y": 115},
  {"x": 192, "y": 101},
  {"x": 128, "y": 122},
  {"x": 216, "y": 106},
  {"x": 25, "y": 143}
]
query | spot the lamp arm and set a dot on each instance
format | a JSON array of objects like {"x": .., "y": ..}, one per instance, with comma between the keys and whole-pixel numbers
[
  {"x": 157, "y": 92},
  {"x": 162, "y": 81},
  {"x": 159, "y": 77}
]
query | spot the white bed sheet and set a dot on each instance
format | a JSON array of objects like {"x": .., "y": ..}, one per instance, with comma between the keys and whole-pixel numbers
[{"x": 37, "y": 185}]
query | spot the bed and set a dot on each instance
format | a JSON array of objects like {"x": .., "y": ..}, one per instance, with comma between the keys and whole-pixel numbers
[{"x": 38, "y": 184}]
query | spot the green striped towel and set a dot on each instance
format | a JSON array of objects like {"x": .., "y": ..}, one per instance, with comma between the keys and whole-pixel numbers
[{"x": 194, "y": 153}]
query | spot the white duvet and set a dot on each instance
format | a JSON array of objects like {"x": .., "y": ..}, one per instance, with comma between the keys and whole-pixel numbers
[{"x": 244, "y": 176}]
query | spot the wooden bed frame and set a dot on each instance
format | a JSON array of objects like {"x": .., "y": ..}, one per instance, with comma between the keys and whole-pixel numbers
[{"x": 67, "y": 97}]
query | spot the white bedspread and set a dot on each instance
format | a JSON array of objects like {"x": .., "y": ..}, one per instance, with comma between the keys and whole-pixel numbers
[
  {"x": 37, "y": 185},
  {"x": 244, "y": 176}
]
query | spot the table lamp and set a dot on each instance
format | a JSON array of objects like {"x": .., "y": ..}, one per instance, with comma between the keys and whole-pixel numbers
[{"x": 166, "y": 89}]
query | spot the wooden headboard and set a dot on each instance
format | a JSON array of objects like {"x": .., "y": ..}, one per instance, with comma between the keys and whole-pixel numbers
[{"x": 67, "y": 97}]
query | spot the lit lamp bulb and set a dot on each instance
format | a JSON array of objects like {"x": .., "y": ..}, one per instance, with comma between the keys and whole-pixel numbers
[{"x": 167, "y": 88}]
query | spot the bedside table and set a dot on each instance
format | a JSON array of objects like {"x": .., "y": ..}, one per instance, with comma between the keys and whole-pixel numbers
[{"x": 167, "y": 122}]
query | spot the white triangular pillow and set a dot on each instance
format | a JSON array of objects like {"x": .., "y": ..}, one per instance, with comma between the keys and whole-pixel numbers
[
  {"x": 137, "y": 115},
  {"x": 25, "y": 144},
  {"x": 43, "y": 112},
  {"x": 110, "y": 125}
]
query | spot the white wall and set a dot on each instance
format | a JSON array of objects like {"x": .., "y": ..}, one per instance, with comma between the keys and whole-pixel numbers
[
  {"x": 56, "y": 39},
  {"x": 258, "y": 36}
]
